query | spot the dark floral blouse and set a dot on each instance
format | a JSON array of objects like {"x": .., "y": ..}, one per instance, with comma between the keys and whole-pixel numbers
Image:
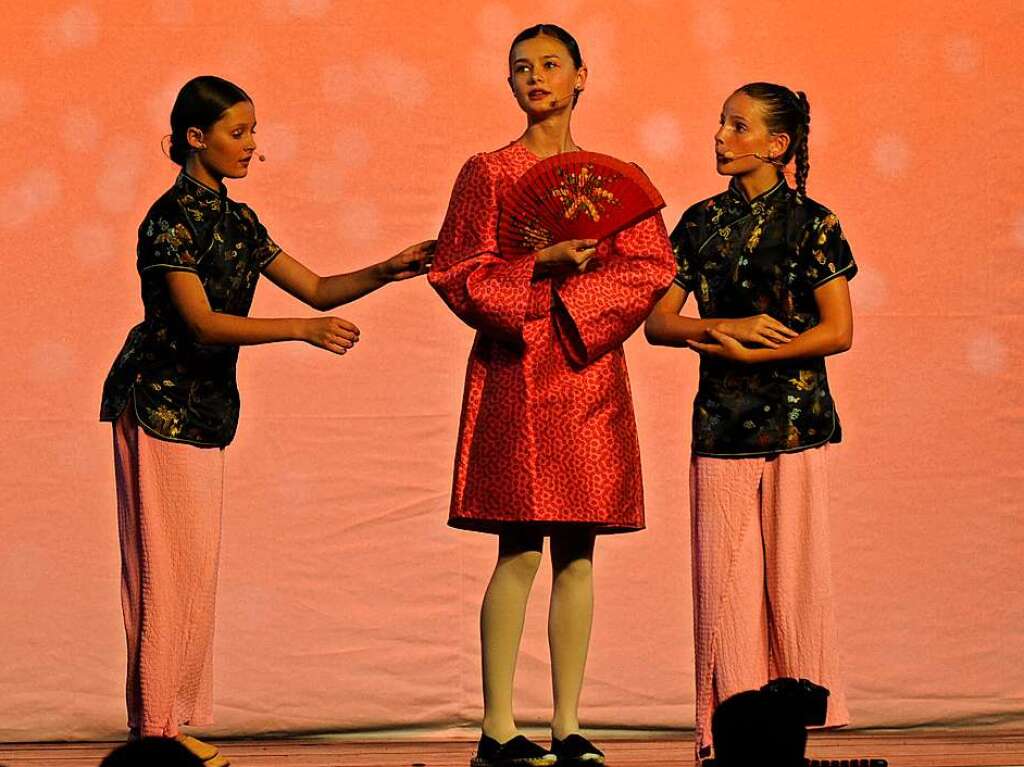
[
  {"x": 183, "y": 390},
  {"x": 763, "y": 256}
]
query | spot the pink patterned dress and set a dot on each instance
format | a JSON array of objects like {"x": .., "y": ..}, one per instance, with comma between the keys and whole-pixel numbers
[{"x": 547, "y": 433}]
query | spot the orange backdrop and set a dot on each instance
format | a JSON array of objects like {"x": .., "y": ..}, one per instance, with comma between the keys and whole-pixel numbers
[{"x": 345, "y": 602}]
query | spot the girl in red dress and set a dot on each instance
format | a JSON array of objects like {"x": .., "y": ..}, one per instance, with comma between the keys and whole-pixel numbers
[{"x": 547, "y": 444}]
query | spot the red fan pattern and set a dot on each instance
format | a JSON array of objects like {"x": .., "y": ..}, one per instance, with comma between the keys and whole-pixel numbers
[{"x": 576, "y": 195}]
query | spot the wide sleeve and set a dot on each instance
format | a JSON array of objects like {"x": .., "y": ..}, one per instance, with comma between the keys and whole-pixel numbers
[
  {"x": 487, "y": 291},
  {"x": 166, "y": 242},
  {"x": 598, "y": 310},
  {"x": 827, "y": 254}
]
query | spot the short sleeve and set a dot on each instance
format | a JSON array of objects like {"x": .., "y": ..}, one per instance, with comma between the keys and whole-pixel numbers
[
  {"x": 684, "y": 251},
  {"x": 828, "y": 254},
  {"x": 264, "y": 249},
  {"x": 166, "y": 242}
]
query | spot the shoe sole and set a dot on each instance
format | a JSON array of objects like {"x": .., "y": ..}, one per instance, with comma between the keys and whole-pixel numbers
[
  {"x": 205, "y": 751},
  {"x": 540, "y": 761}
]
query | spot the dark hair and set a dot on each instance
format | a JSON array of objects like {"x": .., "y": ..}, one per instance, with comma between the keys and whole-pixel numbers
[
  {"x": 555, "y": 31},
  {"x": 200, "y": 103},
  {"x": 790, "y": 113},
  {"x": 152, "y": 752}
]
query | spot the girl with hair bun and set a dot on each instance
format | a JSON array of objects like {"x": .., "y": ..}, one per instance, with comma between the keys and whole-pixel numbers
[
  {"x": 172, "y": 398},
  {"x": 769, "y": 267},
  {"x": 547, "y": 443}
]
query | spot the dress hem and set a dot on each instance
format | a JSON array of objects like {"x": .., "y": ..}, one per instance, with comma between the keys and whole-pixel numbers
[
  {"x": 496, "y": 526},
  {"x": 150, "y": 431}
]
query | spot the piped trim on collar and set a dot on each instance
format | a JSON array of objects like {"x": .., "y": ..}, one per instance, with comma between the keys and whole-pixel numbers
[
  {"x": 737, "y": 191},
  {"x": 202, "y": 191}
]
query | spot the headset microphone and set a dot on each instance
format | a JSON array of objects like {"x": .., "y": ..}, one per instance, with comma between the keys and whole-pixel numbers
[
  {"x": 555, "y": 103},
  {"x": 770, "y": 160}
]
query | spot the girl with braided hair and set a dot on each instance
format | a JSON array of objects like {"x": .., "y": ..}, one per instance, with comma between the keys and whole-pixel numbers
[{"x": 769, "y": 268}]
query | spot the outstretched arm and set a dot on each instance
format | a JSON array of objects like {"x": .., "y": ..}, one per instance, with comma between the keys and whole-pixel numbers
[
  {"x": 326, "y": 293},
  {"x": 209, "y": 327}
]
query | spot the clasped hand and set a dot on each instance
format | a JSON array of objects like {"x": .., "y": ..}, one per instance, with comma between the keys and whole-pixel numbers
[{"x": 734, "y": 337}]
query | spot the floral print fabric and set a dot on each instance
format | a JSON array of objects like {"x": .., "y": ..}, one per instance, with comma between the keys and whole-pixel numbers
[
  {"x": 183, "y": 390},
  {"x": 547, "y": 435},
  {"x": 763, "y": 256}
]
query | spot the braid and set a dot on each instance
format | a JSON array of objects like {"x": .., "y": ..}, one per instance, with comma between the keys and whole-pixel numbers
[
  {"x": 790, "y": 113},
  {"x": 802, "y": 155}
]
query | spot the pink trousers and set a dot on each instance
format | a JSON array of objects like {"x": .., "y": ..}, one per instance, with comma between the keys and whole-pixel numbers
[
  {"x": 169, "y": 503},
  {"x": 762, "y": 579}
]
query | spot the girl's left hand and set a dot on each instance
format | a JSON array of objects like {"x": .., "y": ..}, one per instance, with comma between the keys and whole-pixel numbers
[
  {"x": 727, "y": 347},
  {"x": 411, "y": 262}
]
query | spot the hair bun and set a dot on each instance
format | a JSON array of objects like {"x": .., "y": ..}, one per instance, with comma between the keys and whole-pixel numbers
[{"x": 199, "y": 104}]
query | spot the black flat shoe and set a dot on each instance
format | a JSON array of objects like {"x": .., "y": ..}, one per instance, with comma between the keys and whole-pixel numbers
[
  {"x": 518, "y": 752},
  {"x": 576, "y": 751}
]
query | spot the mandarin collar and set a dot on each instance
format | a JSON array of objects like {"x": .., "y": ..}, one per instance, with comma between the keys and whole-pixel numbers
[
  {"x": 203, "y": 194},
  {"x": 737, "y": 192}
]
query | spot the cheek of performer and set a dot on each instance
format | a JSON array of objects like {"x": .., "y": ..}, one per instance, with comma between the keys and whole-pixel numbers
[
  {"x": 225, "y": 149},
  {"x": 546, "y": 78},
  {"x": 744, "y": 146}
]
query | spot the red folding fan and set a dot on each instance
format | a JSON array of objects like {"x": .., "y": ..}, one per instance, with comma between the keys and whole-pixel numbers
[{"x": 573, "y": 196}]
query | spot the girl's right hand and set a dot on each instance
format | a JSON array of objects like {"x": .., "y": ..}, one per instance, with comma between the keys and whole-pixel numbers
[
  {"x": 574, "y": 253},
  {"x": 760, "y": 329},
  {"x": 331, "y": 333}
]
